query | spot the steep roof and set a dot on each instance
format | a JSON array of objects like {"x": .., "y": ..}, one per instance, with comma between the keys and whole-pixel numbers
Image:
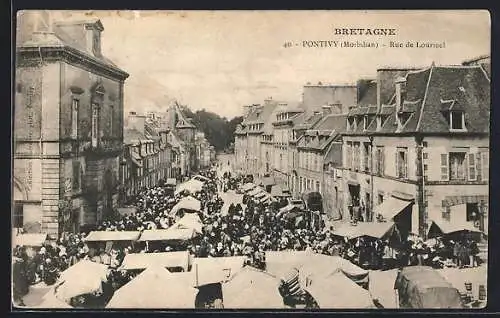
[
  {"x": 60, "y": 38},
  {"x": 323, "y": 132},
  {"x": 333, "y": 122},
  {"x": 431, "y": 93},
  {"x": 133, "y": 136},
  {"x": 308, "y": 120}
]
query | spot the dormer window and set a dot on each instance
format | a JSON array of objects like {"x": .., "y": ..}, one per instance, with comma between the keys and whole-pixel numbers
[
  {"x": 365, "y": 122},
  {"x": 457, "y": 120},
  {"x": 379, "y": 122}
]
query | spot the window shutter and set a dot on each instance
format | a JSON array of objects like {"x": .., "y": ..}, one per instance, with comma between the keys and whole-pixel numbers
[
  {"x": 444, "y": 167},
  {"x": 382, "y": 166},
  {"x": 479, "y": 172},
  {"x": 396, "y": 161},
  {"x": 472, "y": 167},
  {"x": 485, "y": 163}
]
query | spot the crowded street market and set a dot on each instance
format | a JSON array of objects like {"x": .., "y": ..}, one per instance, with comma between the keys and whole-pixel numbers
[{"x": 167, "y": 235}]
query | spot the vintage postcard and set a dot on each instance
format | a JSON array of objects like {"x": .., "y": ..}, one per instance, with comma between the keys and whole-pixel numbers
[{"x": 251, "y": 159}]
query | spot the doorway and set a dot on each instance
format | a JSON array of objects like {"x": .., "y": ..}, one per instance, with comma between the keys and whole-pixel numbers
[{"x": 354, "y": 190}]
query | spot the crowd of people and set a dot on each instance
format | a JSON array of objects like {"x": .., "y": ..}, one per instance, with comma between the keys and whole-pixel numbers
[{"x": 248, "y": 230}]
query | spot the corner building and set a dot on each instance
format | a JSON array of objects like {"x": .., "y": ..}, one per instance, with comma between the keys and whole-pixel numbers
[{"x": 68, "y": 125}]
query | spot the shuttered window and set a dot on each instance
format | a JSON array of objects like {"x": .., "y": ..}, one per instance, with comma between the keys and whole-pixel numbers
[
  {"x": 444, "y": 167},
  {"x": 485, "y": 165},
  {"x": 472, "y": 167},
  {"x": 401, "y": 163}
]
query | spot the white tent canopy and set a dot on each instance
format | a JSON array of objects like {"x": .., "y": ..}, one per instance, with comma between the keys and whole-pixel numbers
[
  {"x": 252, "y": 289},
  {"x": 201, "y": 178},
  {"x": 155, "y": 288},
  {"x": 165, "y": 260},
  {"x": 170, "y": 234},
  {"x": 191, "y": 185},
  {"x": 438, "y": 228},
  {"x": 189, "y": 221},
  {"x": 105, "y": 236},
  {"x": 371, "y": 229},
  {"x": 82, "y": 278},
  {"x": 336, "y": 291},
  {"x": 216, "y": 269},
  {"x": 312, "y": 265},
  {"x": 187, "y": 203},
  {"x": 50, "y": 301},
  {"x": 390, "y": 207}
]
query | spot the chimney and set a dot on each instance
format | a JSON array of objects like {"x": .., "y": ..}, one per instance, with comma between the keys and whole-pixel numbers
[
  {"x": 136, "y": 122},
  {"x": 268, "y": 100},
  {"x": 326, "y": 109},
  {"x": 93, "y": 31},
  {"x": 362, "y": 86}
]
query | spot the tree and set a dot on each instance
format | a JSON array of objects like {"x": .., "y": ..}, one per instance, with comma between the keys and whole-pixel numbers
[{"x": 218, "y": 130}]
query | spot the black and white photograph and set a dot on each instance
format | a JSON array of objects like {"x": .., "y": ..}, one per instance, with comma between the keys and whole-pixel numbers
[{"x": 285, "y": 160}]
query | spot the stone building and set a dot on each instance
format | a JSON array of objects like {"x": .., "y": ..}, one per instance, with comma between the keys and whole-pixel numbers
[
  {"x": 68, "y": 124},
  {"x": 147, "y": 155},
  {"x": 419, "y": 151},
  {"x": 316, "y": 154},
  {"x": 184, "y": 133},
  {"x": 248, "y": 138}
]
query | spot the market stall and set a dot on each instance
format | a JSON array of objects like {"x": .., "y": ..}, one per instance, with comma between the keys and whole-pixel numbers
[
  {"x": 442, "y": 228},
  {"x": 336, "y": 291},
  {"x": 169, "y": 260},
  {"x": 189, "y": 221},
  {"x": 188, "y": 203},
  {"x": 191, "y": 186},
  {"x": 216, "y": 269},
  {"x": 424, "y": 288},
  {"x": 85, "y": 277},
  {"x": 154, "y": 288},
  {"x": 29, "y": 239},
  {"x": 252, "y": 289}
]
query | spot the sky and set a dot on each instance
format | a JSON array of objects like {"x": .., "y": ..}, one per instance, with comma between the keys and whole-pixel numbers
[{"x": 221, "y": 61}]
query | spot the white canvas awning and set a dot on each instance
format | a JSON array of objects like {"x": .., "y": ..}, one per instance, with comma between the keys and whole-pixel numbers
[
  {"x": 171, "y": 181},
  {"x": 29, "y": 239},
  {"x": 155, "y": 288},
  {"x": 82, "y": 278},
  {"x": 165, "y": 260},
  {"x": 201, "y": 178},
  {"x": 187, "y": 203},
  {"x": 337, "y": 291},
  {"x": 372, "y": 229},
  {"x": 390, "y": 207},
  {"x": 170, "y": 234},
  {"x": 191, "y": 185},
  {"x": 106, "y": 236},
  {"x": 438, "y": 228},
  {"x": 189, "y": 221},
  {"x": 211, "y": 270},
  {"x": 253, "y": 289}
]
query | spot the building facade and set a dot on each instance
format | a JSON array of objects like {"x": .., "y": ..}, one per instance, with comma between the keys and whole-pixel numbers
[
  {"x": 423, "y": 145},
  {"x": 68, "y": 127},
  {"x": 147, "y": 155}
]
